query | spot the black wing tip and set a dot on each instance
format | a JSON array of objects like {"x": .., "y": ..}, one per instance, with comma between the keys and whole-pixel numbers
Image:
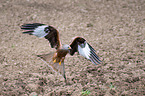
[
  {"x": 28, "y": 32},
  {"x": 31, "y": 26},
  {"x": 93, "y": 56},
  {"x": 95, "y": 59},
  {"x": 91, "y": 47}
]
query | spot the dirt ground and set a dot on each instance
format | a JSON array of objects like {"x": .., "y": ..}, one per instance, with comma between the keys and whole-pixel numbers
[{"x": 115, "y": 28}]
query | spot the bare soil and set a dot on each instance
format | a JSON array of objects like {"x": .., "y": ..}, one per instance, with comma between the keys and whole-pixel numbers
[{"x": 115, "y": 28}]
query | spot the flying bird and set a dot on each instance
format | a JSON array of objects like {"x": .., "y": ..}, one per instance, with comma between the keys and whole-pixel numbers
[{"x": 56, "y": 59}]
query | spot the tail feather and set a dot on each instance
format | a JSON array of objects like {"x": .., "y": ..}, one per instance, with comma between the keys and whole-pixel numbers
[
  {"x": 56, "y": 67},
  {"x": 46, "y": 57}
]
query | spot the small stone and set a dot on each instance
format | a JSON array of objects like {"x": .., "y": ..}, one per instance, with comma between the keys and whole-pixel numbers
[{"x": 89, "y": 25}]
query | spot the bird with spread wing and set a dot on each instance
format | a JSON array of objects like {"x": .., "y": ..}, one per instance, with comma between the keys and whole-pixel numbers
[{"x": 56, "y": 59}]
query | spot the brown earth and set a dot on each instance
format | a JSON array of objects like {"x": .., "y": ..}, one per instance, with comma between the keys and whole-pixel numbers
[{"x": 115, "y": 28}]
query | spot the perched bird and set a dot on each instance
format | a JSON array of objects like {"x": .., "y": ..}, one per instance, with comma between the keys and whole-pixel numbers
[{"x": 56, "y": 59}]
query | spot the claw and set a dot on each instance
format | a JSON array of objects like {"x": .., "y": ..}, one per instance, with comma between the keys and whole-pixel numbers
[
  {"x": 54, "y": 60},
  {"x": 60, "y": 63}
]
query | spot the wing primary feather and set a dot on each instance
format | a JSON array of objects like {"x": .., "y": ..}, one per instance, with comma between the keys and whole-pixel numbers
[
  {"x": 91, "y": 47},
  {"x": 43, "y": 30},
  {"x": 31, "y": 26},
  {"x": 94, "y": 59},
  {"x": 94, "y": 54},
  {"x": 28, "y": 28},
  {"x": 28, "y": 32}
]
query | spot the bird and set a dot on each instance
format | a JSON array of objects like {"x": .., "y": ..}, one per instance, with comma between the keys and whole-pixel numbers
[{"x": 56, "y": 59}]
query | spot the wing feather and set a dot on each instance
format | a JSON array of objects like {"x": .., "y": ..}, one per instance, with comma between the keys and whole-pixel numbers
[
  {"x": 95, "y": 55},
  {"x": 92, "y": 57},
  {"x": 53, "y": 37},
  {"x": 74, "y": 44},
  {"x": 85, "y": 49},
  {"x": 42, "y": 30}
]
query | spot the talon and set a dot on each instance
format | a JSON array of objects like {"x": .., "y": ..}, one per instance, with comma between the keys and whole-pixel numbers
[
  {"x": 54, "y": 60},
  {"x": 60, "y": 63}
]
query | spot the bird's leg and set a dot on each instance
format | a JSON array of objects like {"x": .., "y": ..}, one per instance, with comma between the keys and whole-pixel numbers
[
  {"x": 54, "y": 61},
  {"x": 61, "y": 60}
]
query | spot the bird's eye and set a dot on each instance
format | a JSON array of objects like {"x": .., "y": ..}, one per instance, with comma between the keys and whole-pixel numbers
[{"x": 69, "y": 47}]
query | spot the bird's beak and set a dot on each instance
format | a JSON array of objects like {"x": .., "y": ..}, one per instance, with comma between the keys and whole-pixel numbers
[{"x": 69, "y": 49}]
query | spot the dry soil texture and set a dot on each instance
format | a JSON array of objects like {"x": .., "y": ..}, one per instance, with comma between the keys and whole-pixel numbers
[{"x": 115, "y": 28}]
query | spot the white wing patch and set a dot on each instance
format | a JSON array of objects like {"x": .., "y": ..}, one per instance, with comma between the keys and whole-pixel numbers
[
  {"x": 84, "y": 51},
  {"x": 39, "y": 31}
]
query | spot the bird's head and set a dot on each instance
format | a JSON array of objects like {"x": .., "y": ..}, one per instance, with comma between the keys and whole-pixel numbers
[{"x": 66, "y": 47}]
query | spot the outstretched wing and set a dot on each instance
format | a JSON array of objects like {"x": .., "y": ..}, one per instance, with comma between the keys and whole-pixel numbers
[
  {"x": 42, "y": 30},
  {"x": 56, "y": 67},
  {"x": 80, "y": 45}
]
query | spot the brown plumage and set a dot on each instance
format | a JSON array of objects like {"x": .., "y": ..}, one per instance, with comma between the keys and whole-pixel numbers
[
  {"x": 42, "y": 30},
  {"x": 75, "y": 43},
  {"x": 56, "y": 59},
  {"x": 53, "y": 37}
]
